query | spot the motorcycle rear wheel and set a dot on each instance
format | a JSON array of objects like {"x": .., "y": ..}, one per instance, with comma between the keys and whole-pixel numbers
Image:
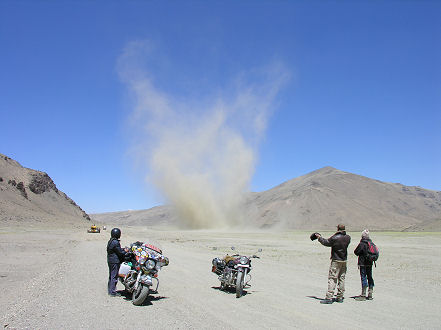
[
  {"x": 140, "y": 294},
  {"x": 239, "y": 284}
]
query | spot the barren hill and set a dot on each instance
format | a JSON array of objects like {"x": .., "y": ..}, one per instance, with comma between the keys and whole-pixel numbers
[
  {"x": 320, "y": 200},
  {"x": 325, "y": 197},
  {"x": 30, "y": 196},
  {"x": 155, "y": 217}
]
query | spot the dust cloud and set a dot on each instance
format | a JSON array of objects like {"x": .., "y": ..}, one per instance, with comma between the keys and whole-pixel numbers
[{"x": 200, "y": 153}]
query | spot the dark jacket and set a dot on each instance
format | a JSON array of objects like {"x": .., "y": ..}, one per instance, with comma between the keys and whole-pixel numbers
[
  {"x": 115, "y": 254},
  {"x": 361, "y": 252},
  {"x": 339, "y": 243}
]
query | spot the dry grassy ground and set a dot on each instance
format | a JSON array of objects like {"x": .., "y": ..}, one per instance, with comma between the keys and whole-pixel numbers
[{"x": 57, "y": 278}]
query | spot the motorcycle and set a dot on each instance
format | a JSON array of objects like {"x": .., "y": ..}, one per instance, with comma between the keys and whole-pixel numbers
[
  {"x": 141, "y": 268},
  {"x": 234, "y": 271}
]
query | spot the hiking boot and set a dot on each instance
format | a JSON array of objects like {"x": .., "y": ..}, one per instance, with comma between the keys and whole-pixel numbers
[
  {"x": 326, "y": 301},
  {"x": 117, "y": 294},
  {"x": 369, "y": 297},
  {"x": 339, "y": 300}
]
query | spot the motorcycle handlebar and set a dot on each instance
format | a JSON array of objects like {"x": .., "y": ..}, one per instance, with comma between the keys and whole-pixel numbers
[{"x": 253, "y": 256}]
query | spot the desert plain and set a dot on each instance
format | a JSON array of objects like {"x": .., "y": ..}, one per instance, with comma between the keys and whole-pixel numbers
[{"x": 54, "y": 277}]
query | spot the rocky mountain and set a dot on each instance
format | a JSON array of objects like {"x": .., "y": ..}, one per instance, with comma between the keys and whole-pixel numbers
[
  {"x": 319, "y": 201},
  {"x": 28, "y": 196}
]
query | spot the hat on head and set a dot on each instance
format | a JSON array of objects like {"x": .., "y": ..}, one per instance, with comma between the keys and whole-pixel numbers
[
  {"x": 341, "y": 226},
  {"x": 365, "y": 233}
]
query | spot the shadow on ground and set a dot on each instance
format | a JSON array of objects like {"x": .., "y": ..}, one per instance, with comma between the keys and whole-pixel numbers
[
  {"x": 315, "y": 297},
  {"x": 333, "y": 299},
  {"x": 150, "y": 298},
  {"x": 230, "y": 290}
]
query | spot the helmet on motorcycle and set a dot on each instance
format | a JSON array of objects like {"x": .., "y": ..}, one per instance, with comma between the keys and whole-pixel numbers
[{"x": 115, "y": 233}]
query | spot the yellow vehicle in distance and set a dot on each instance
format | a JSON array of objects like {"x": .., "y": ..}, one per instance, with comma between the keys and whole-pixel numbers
[{"x": 94, "y": 229}]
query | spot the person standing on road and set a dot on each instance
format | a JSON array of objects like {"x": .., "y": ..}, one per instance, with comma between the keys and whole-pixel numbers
[
  {"x": 365, "y": 266},
  {"x": 115, "y": 255},
  {"x": 339, "y": 243}
]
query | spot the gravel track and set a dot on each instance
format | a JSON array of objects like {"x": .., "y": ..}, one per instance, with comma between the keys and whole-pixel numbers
[{"x": 66, "y": 284}]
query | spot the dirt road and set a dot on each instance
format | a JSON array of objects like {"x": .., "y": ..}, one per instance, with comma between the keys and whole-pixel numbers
[{"x": 58, "y": 279}]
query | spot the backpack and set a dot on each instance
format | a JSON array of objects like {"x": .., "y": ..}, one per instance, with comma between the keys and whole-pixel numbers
[{"x": 372, "y": 252}]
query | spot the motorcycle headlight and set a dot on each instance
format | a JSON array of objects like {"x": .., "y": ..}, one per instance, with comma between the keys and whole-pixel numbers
[
  {"x": 158, "y": 267},
  {"x": 150, "y": 264},
  {"x": 243, "y": 260},
  {"x": 141, "y": 261}
]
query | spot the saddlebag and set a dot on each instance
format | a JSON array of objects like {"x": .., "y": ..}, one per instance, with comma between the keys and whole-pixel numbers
[{"x": 218, "y": 266}]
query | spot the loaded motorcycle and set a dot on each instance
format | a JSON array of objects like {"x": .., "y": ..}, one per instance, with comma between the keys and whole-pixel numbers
[
  {"x": 234, "y": 271},
  {"x": 140, "y": 269}
]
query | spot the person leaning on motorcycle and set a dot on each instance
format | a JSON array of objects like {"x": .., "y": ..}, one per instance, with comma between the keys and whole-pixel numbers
[{"x": 115, "y": 255}]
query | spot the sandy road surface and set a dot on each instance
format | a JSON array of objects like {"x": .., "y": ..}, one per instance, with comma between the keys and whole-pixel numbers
[{"x": 57, "y": 279}]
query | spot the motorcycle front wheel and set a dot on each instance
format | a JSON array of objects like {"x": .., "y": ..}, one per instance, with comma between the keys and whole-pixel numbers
[
  {"x": 140, "y": 294},
  {"x": 239, "y": 284}
]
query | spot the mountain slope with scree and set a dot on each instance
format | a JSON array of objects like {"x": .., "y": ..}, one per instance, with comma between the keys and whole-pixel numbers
[
  {"x": 328, "y": 196},
  {"x": 28, "y": 196}
]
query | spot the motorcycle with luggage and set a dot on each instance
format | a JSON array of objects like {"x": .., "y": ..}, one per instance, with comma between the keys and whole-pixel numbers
[
  {"x": 234, "y": 271},
  {"x": 140, "y": 270}
]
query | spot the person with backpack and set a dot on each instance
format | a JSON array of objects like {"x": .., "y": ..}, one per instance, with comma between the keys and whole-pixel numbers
[
  {"x": 115, "y": 256},
  {"x": 339, "y": 243},
  {"x": 367, "y": 254}
]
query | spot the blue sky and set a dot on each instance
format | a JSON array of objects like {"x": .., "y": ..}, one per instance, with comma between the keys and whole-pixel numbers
[{"x": 364, "y": 93}]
